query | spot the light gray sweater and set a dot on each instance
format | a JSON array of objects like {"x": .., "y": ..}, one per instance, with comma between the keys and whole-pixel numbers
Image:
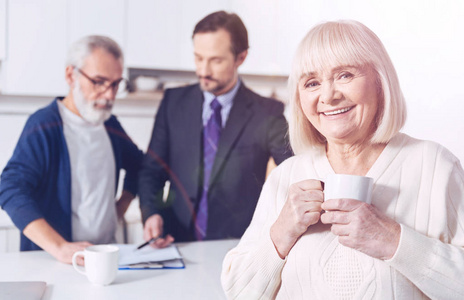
[{"x": 419, "y": 184}]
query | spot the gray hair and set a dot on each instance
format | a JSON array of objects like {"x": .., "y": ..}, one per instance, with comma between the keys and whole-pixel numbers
[{"x": 83, "y": 47}]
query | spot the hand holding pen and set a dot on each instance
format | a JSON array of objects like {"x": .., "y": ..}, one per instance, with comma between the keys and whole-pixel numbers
[
  {"x": 153, "y": 233},
  {"x": 148, "y": 242}
]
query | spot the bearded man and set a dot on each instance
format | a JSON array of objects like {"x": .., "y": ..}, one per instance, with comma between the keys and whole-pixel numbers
[{"x": 59, "y": 186}]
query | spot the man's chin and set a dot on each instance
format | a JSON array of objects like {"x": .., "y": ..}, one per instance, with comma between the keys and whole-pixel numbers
[
  {"x": 97, "y": 118},
  {"x": 211, "y": 87}
]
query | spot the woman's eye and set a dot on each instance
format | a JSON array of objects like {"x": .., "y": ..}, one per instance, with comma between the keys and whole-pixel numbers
[
  {"x": 311, "y": 84},
  {"x": 346, "y": 75}
]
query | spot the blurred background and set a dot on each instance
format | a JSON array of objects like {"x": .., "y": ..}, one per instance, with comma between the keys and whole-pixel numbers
[{"x": 425, "y": 39}]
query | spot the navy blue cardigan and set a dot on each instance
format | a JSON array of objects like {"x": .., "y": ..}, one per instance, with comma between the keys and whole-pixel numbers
[{"x": 36, "y": 182}]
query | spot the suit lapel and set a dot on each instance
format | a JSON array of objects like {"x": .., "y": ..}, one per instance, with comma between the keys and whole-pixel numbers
[
  {"x": 193, "y": 113},
  {"x": 193, "y": 122},
  {"x": 239, "y": 116}
]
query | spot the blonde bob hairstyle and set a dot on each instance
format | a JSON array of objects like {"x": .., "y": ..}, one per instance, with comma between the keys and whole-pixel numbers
[{"x": 344, "y": 43}]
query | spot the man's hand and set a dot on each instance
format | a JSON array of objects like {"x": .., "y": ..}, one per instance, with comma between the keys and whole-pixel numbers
[
  {"x": 154, "y": 228},
  {"x": 66, "y": 251},
  {"x": 42, "y": 234}
]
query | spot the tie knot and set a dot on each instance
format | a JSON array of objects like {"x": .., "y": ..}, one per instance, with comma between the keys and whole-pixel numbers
[{"x": 215, "y": 105}]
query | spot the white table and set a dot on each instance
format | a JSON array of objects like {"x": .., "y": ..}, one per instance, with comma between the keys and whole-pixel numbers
[{"x": 199, "y": 280}]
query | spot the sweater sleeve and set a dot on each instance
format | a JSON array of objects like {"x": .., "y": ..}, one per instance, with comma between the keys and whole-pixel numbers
[
  {"x": 23, "y": 175},
  {"x": 436, "y": 266},
  {"x": 252, "y": 270}
]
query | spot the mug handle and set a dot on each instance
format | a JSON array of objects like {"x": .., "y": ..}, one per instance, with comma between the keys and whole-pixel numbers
[{"x": 74, "y": 262}]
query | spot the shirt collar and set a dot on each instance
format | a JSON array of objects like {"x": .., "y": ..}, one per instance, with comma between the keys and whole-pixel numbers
[{"x": 224, "y": 99}]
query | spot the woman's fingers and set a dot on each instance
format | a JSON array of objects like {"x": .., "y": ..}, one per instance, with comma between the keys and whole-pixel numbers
[
  {"x": 362, "y": 227},
  {"x": 301, "y": 210},
  {"x": 342, "y": 204},
  {"x": 335, "y": 217},
  {"x": 309, "y": 184}
]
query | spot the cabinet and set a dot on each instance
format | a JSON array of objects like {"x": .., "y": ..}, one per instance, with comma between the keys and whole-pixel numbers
[
  {"x": 275, "y": 28},
  {"x": 35, "y": 48},
  {"x": 259, "y": 18},
  {"x": 2, "y": 29},
  {"x": 159, "y": 33},
  {"x": 86, "y": 17},
  {"x": 153, "y": 34},
  {"x": 39, "y": 34},
  {"x": 9, "y": 239}
]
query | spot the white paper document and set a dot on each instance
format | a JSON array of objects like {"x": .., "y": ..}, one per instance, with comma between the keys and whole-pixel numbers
[{"x": 149, "y": 258}]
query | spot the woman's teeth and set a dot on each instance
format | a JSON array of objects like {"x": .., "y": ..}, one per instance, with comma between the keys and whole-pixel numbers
[{"x": 336, "y": 112}]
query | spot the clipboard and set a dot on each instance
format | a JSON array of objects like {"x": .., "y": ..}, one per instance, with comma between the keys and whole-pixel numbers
[{"x": 149, "y": 258}]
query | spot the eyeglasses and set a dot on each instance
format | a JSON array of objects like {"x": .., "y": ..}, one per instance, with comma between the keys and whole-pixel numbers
[{"x": 100, "y": 86}]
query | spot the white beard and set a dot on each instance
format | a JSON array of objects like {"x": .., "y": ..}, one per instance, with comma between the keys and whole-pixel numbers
[{"x": 89, "y": 110}]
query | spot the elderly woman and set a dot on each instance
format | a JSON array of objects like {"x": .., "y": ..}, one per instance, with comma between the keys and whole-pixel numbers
[{"x": 347, "y": 109}]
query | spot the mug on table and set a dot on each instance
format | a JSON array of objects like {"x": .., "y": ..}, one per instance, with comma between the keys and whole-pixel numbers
[{"x": 100, "y": 263}]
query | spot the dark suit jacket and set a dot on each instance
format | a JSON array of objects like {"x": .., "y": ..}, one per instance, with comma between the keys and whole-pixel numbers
[{"x": 255, "y": 130}]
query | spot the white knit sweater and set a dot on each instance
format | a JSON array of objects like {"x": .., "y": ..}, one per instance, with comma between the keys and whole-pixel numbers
[{"x": 419, "y": 184}]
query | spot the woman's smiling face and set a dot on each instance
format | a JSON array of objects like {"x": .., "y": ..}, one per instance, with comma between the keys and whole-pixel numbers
[{"x": 341, "y": 102}]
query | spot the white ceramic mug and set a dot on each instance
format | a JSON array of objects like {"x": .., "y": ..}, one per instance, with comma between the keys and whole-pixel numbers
[
  {"x": 100, "y": 263},
  {"x": 338, "y": 186}
]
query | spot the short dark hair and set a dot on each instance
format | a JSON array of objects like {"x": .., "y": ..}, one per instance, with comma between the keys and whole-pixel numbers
[{"x": 231, "y": 23}]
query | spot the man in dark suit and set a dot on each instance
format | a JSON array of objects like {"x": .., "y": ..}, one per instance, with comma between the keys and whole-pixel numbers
[{"x": 212, "y": 141}]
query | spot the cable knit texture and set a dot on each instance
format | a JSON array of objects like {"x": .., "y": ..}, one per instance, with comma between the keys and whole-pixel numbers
[{"x": 419, "y": 184}]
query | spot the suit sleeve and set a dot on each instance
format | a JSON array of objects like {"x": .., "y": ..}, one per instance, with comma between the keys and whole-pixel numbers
[
  {"x": 278, "y": 143},
  {"x": 154, "y": 171},
  {"x": 22, "y": 177}
]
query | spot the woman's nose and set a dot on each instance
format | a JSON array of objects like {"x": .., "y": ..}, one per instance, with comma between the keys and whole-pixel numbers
[{"x": 329, "y": 93}]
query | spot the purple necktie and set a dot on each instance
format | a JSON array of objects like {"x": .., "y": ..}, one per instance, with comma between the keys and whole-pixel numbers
[{"x": 211, "y": 133}]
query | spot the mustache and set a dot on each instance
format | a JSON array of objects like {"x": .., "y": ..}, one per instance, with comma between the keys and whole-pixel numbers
[
  {"x": 103, "y": 104},
  {"x": 207, "y": 77}
]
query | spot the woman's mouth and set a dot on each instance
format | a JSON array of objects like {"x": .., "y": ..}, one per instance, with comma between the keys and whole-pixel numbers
[{"x": 338, "y": 111}]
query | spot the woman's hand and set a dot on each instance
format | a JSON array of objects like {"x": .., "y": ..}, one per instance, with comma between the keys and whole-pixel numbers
[
  {"x": 362, "y": 227},
  {"x": 301, "y": 210}
]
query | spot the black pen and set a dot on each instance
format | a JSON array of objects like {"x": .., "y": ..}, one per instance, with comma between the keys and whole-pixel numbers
[{"x": 148, "y": 242}]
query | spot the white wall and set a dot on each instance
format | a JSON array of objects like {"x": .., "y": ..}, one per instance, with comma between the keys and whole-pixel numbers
[{"x": 425, "y": 40}]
